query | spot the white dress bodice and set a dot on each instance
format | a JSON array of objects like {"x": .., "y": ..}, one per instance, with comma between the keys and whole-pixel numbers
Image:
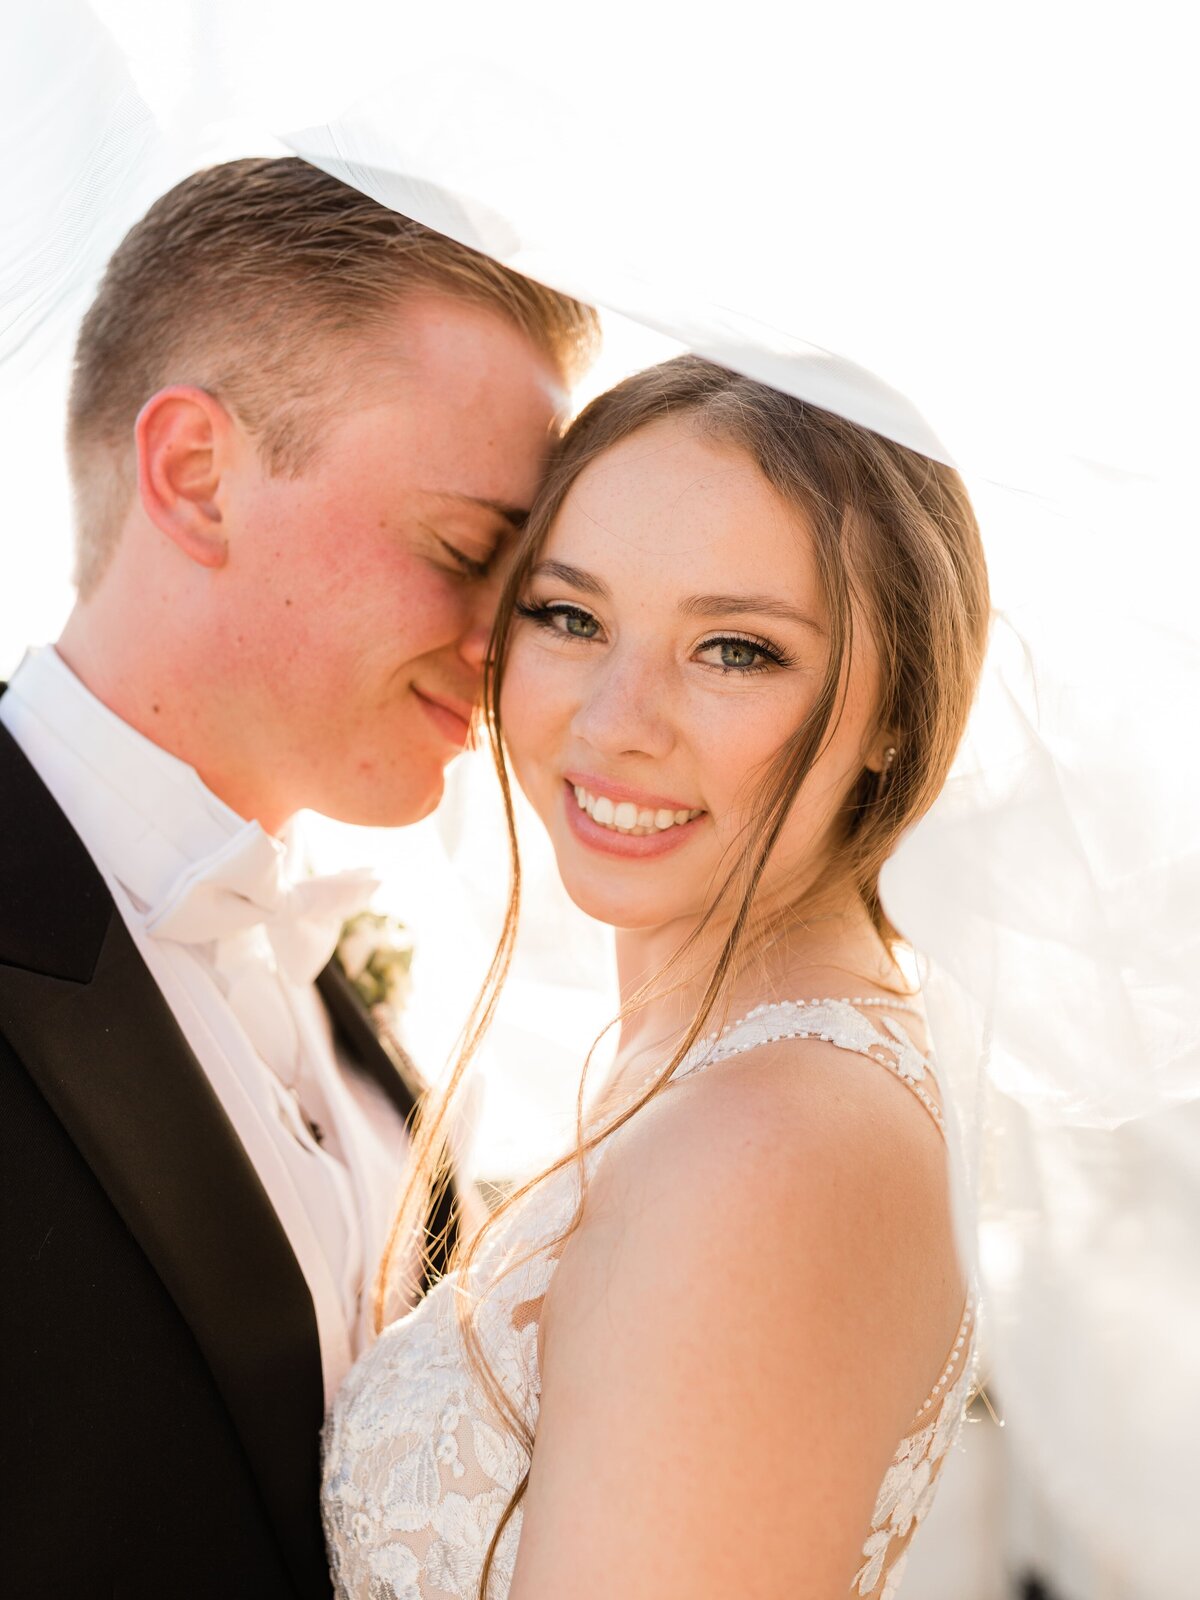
[{"x": 419, "y": 1466}]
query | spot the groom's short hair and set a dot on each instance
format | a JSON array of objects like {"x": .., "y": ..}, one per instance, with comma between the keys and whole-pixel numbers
[{"x": 245, "y": 279}]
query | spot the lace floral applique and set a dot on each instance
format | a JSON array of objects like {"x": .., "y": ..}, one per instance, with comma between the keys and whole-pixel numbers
[
  {"x": 419, "y": 1468},
  {"x": 907, "y": 1494}
]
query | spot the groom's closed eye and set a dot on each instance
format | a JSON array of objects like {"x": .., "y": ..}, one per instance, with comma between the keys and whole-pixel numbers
[
  {"x": 469, "y": 534},
  {"x": 469, "y": 566}
]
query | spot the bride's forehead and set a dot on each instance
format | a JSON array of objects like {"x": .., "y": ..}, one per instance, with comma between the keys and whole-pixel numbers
[{"x": 667, "y": 491}]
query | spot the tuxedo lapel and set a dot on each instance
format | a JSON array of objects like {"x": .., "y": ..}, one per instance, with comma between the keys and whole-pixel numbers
[
  {"x": 80, "y": 1008},
  {"x": 394, "y": 1072},
  {"x": 390, "y": 1068}
]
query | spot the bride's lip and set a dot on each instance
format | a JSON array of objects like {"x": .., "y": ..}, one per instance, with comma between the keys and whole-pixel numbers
[
  {"x": 452, "y": 718},
  {"x": 628, "y": 846},
  {"x": 643, "y": 800}
]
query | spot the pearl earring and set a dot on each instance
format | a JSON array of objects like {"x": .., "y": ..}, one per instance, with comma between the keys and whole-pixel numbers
[{"x": 885, "y": 772}]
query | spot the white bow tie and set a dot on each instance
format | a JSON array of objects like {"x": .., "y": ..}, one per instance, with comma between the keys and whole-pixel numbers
[{"x": 244, "y": 884}]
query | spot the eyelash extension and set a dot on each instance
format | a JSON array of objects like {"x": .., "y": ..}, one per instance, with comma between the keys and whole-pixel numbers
[
  {"x": 543, "y": 615},
  {"x": 775, "y": 656}
]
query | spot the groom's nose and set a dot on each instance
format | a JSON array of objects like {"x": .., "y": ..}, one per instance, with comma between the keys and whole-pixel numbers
[
  {"x": 481, "y": 614},
  {"x": 473, "y": 645}
]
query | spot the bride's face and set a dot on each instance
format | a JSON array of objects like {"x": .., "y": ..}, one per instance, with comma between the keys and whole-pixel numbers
[{"x": 673, "y": 635}]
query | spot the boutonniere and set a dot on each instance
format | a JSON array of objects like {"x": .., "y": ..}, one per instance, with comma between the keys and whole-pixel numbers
[{"x": 375, "y": 952}]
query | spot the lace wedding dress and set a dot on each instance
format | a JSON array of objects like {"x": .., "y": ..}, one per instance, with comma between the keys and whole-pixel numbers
[{"x": 418, "y": 1467}]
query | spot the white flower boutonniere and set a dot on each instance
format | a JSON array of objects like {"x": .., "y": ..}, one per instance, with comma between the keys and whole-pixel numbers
[{"x": 376, "y": 953}]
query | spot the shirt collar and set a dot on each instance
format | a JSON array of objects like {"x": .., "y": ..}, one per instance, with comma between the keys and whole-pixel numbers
[{"x": 145, "y": 815}]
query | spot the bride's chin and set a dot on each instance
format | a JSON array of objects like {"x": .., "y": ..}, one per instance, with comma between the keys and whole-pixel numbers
[{"x": 623, "y": 912}]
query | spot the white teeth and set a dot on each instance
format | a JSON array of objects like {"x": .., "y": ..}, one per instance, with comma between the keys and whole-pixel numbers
[{"x": 625, "y": 817}]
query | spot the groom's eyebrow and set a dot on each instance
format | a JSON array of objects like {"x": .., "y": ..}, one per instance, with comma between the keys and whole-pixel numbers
[{"x": 515, "y": 516}]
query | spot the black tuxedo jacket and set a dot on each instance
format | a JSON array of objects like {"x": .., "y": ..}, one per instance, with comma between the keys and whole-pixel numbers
[{"x": 160, "y": 1370}]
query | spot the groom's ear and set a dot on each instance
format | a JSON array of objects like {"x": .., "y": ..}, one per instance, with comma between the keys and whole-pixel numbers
[{"x": 184, "y": 442}]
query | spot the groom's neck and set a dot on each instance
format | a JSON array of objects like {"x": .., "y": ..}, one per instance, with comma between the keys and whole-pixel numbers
[{"x": 141, "y": 679}]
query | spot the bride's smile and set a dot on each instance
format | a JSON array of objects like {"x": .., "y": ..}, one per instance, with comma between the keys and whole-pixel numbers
[{"x": 628, "y": 822}]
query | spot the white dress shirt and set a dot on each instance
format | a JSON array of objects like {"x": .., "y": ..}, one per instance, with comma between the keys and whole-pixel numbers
[{"x": 327, "y": 1144}]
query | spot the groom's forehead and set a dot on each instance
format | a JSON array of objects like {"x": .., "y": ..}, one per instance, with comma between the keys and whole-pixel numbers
[
  {"x": 473, "y": 434},
  {"x": 435, "y": 335}
]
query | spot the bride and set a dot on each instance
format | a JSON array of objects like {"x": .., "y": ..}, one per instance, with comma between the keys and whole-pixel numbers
[{"x": 723, "y": 1346}]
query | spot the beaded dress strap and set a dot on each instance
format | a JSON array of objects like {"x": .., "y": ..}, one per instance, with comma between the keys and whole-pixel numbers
[{"x": 839, "y": 1022}]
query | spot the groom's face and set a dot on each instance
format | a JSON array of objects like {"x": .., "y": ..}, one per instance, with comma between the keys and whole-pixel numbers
[{"x": 365, "y": 588}]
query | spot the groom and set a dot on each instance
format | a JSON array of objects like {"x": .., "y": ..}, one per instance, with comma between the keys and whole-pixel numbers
[{"x": 303, "y": 431}]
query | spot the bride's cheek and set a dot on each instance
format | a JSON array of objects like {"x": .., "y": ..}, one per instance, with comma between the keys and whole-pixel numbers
[{"x": 526, "y": 718}]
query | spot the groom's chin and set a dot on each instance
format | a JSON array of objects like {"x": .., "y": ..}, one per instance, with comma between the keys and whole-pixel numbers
[{"x": 381, "y": 808}]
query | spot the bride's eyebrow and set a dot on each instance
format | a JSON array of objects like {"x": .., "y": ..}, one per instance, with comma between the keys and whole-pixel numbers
[
  {"x": 739, "y": 605},
  {"x": 575, "y": 577}
]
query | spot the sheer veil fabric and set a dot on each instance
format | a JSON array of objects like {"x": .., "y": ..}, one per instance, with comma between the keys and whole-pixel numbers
[
  {"x": 969, "y": 241},
  {"x": 966, "y": 233}
]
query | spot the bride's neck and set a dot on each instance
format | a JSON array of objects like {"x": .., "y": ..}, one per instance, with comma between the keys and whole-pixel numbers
[{"x": 839, "y": 953}]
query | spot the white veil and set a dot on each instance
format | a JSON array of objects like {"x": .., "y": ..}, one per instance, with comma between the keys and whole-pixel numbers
[
  {"x": 968, "y": 230},
  {"x": 972, "y": 241}
]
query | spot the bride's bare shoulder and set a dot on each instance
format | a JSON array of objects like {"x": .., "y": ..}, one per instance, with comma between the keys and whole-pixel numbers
[
  {"x": 797, "y": 1124},
  {"x": 799, "y": 1173},
  {"x": 760, "y": 1294}
]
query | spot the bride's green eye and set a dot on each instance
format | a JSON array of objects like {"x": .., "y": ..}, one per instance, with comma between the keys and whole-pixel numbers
[
  {"x": 737, "y": 653},
  {"x": 573, "y": 621},
  {"x": 741, "y": 655},
  {"x": 577, "y": 623}
]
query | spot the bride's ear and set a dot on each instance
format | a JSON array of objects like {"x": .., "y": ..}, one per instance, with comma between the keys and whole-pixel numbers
[
  {"x": 184, "y": 440},
  {"x": 881, "y": 753}
]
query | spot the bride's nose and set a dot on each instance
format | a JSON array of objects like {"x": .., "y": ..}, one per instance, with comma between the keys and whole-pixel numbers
[{"x": 624, "y": 709}]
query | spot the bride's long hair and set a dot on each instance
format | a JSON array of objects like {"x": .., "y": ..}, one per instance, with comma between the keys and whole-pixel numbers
[{"x": 896, "y": 542}]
